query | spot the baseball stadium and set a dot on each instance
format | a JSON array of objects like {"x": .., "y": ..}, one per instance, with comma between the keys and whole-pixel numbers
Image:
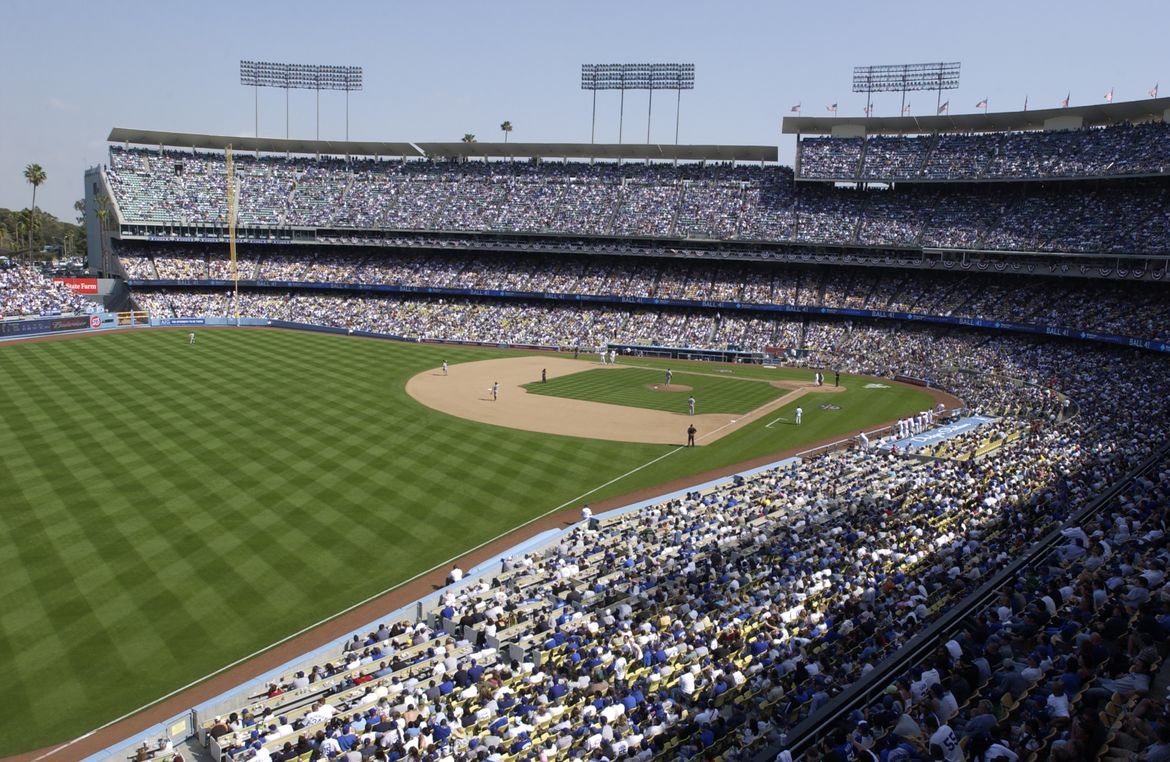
[{"x": 510, "y": 451}]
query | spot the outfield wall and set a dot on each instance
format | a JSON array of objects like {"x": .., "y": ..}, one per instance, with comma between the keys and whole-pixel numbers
[{"x": 24, "y": 327}]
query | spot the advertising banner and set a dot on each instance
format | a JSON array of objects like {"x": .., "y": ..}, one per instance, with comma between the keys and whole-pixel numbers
[
  {"x": 43, "y": 325},
  {"x": 84, "y": 286}
]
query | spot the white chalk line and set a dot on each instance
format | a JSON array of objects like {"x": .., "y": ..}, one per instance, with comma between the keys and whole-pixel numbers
[{"x": 361, "y": 603}]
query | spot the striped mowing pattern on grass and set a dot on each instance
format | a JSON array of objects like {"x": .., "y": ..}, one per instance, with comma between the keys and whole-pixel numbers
[
  {"x": 633, "y": 387},
  {"x": 166, "y": 509}
]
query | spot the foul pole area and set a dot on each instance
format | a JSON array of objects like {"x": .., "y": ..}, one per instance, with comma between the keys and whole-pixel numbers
[{"x": 231, "y": 220}]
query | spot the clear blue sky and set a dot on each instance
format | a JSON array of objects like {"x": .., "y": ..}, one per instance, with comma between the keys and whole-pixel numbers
[{"x": 435, "y": 70}]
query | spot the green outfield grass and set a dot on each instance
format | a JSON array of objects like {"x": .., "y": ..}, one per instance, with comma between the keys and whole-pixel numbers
[
  {"x": 635, "y": 387},
  {"x": 168, "y": 509}
]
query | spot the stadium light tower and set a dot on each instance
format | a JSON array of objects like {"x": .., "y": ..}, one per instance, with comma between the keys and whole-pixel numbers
[
  {"x": 651, "y": 77},
  {"x": 905, "y": 78},
  {"x": 257, "y": 74}
]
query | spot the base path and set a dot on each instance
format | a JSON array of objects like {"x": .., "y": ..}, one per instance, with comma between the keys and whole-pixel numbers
[{"x": 466, "y": 392}]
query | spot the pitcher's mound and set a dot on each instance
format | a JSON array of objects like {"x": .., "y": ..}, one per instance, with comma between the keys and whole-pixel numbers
[{"x": 669, "y": 387}]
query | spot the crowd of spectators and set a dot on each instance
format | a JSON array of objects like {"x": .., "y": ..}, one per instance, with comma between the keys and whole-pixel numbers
[
  {"x": 709, "y": 625},
  {"x": 26, "y": 290},
  {"x": 830, "y": 157},
  {"x": 1114, "y": 151},
  {"x": 1050, "y": 668},
  {"x": 563, "y": 326},
  {"x": 754, "y": 203},
  {"x": 1135, "y": 310}
]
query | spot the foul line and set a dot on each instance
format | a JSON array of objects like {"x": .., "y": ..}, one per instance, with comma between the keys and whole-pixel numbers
[{"x": 359, "y": 604}]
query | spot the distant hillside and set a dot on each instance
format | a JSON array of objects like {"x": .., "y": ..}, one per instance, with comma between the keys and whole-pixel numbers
[{"x": 49, "y": 231}]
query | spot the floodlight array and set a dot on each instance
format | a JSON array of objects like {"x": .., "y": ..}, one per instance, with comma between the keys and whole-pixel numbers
[
  {"x": 906, "y": 77},
  {"x": 300, "y": 76},
  {"x": 659, "y": 76}
]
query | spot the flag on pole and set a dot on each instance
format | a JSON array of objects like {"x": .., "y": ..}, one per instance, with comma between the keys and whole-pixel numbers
[
  {"x": 946, "y": 106},
  {"x": 1025, "y": 103},
  {"x": 868, "y": 108},
  {"x": 795, "y": 109},
  {"x": 906, "y": 109},
  {"x": 832, "y": 107},
  {"x": 1154, "y": 91},
  {"x": 1109, "y": 96},
  {"x": 1064, "y": 103},
  {"x": 982, "y": 104}
]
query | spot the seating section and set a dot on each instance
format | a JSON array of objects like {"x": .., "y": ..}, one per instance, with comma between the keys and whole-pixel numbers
[
  {"x": 26, "y": 290},
  {"x": 708, "y": 626},
  {"x": 1127, "y": 309},
  {"x": 1115, "y": 151},
  {"x": 1059, "y": 665},
  {"x": 718, "y": 202}
]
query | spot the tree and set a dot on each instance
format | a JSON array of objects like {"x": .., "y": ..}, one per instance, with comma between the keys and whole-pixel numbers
[
  {"x": 506, "y": 127},
  {"x": 103, "y": 214},
  {"x": 35, "y": 176},
  {"x": 80, "y": 235},
  {"x": 469, "y": 137},
  {"x": 27, "y": 224}
]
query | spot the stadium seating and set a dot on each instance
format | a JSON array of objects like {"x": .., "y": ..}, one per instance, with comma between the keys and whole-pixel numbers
[
  {"x": 750, "y": 203},
  {"x": 25, "y": 290},
  {"x": 1116, "y": 151},
  {"x": 1133, "y": 310}
]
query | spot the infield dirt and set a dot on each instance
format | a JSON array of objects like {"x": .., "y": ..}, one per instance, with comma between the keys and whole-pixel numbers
[{"x": 466, "y": 392}]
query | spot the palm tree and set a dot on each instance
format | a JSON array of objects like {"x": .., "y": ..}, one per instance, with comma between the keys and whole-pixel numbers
[
  {"x": 35, "y": 175},
  {"x": 469, "y": 137},
  {"x": 27, "y": 224},
  {"x": 506, "y": 127},
  {"x": 103, "y": 214}
]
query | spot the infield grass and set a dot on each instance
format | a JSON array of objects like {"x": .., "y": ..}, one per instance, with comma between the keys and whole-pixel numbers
[
  {"x": 167, "y": 509},
  {"x": 642, "y": 387}
]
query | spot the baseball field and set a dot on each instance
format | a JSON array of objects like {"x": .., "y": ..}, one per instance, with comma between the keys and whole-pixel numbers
[{"x": 166, "y": 508}]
